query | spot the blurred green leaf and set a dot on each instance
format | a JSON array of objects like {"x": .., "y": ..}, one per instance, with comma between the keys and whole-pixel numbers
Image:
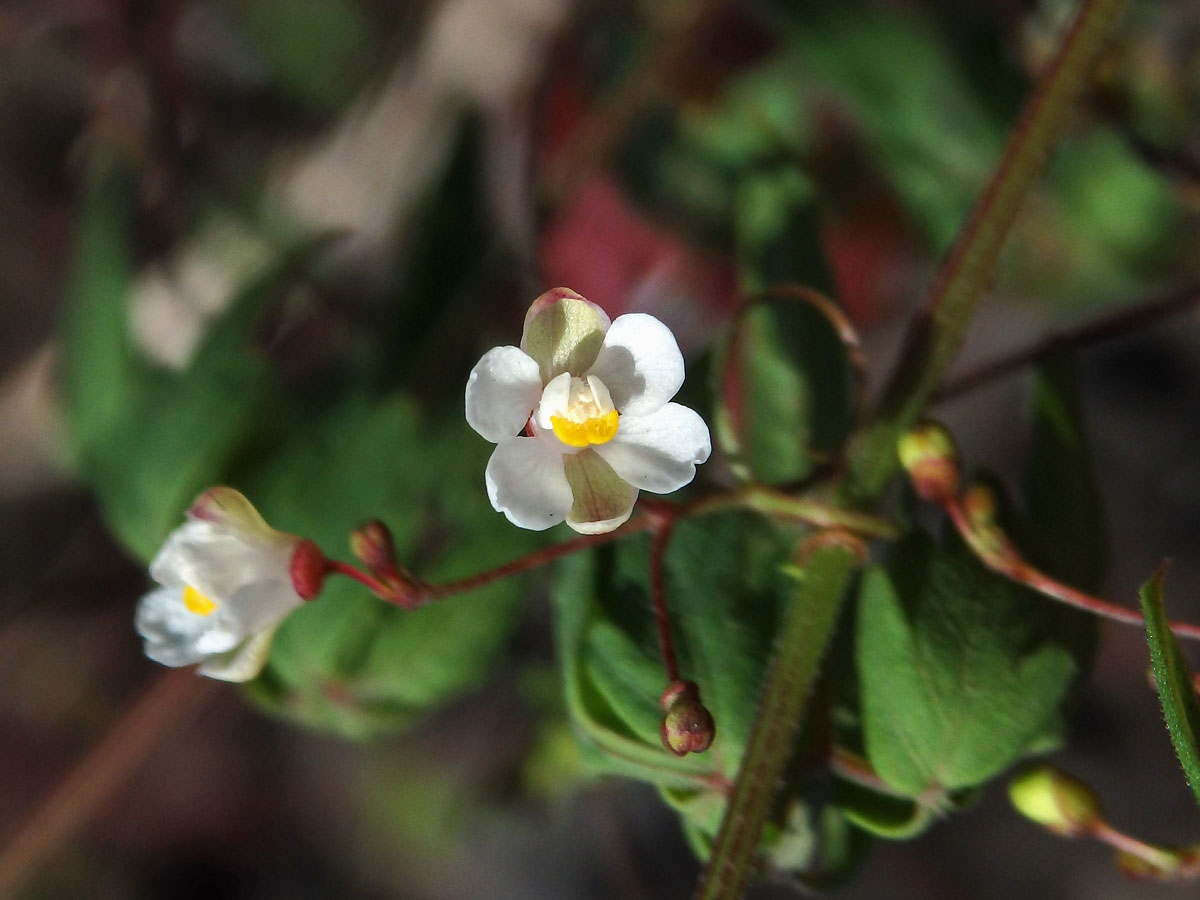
[
  {"x": 100, "y": 372},
  {"x": 777, "y": 226},
  {"x": 149, "y": 440},
  {"x": 318, "y": 51},
  {"x": 1176, "y": 689},
  {"x": 958, "y": 672},
  {"x": 784, "y": 381}
]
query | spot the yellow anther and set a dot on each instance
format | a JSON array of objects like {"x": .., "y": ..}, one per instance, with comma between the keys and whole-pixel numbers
[
  {"x": 198, "y": 603},
  {"x": 596, "y": 430}
]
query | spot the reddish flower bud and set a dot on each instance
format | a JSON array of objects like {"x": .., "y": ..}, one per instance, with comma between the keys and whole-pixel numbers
[
  {"x": 372, "y": 543},
  {"x": 308, "y": 569},
  {"x": 687, "y": 727}
]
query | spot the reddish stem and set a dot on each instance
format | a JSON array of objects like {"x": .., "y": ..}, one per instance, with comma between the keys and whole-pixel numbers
[
  {"x": 1008, "y": 562},
  {"x": 658, "y": 593},
  {"x": 376, "y": 586},
  {"x": 430, "y": 592}
]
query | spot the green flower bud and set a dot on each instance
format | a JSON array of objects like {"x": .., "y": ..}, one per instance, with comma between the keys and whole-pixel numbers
[
  {"x": 1055, "y": 800},
  {"x": 930, "y": 457}
]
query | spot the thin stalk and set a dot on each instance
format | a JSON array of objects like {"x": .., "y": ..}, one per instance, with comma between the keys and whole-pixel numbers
[
  {"x": 431, "y": 592},
  {"x": 658, "y": 593},
  {"x": 109, "y": 764},
  {"x": 1104, "y": 329},
  {"x": 935, "y": 336},
  {"x": 1000, "y": 555},
  {"x": 808, "y": 624}
]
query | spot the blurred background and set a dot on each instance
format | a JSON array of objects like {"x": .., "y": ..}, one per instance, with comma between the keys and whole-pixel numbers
[{"x": 262, "y": 243}]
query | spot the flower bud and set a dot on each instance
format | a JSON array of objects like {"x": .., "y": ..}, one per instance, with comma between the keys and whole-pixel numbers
[
  {"x": 308, "y": 569},
  {"x": 928, "y": 454},
  {"x": 372, "y": 543},
  {"x": 687, "y": 727},
  {"x": 1055, "y": 800}
]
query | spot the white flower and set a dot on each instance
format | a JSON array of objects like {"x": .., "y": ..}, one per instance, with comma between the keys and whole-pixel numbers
[
  {"x": 224, "y": 587},
  {"x": 581, "y": 416}
]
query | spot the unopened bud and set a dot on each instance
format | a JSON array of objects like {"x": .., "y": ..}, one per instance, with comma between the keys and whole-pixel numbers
[
  {"x": 928, "y": 454},
  {"x": 687, "y": 727},
  {"x": 372, "y": 543},
  {"x": 1055, "y": 800},
  {"x": 308, "y": 569}
]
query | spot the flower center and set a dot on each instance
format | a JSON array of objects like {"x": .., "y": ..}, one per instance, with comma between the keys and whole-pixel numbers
[
  {"x": 588, "y": 416},
  {"x": 198, "y": 603}
]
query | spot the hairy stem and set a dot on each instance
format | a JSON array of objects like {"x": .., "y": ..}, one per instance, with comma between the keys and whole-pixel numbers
[
  {"x": 935, "y": 336},
  {"x": 827, "y": 562}
]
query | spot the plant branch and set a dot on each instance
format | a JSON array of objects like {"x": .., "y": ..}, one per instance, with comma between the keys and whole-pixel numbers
[
  {"x": 658, "y": 592},
  {"x": 993, "y": 548},
  {"x": 1098, "y": 331},
  {"x": 827, "y": 561},
  {"x": 111, "y": 762},
  {"x": 935, "y": 336}
]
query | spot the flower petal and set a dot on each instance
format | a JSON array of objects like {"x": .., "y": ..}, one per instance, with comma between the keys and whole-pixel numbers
[
  {"x": 659, "y": 452},
  {"x": 563, "y": 333},
  {"x": 217, "y": 562},
  {"x": 640, "y": 364},
  {"x": 502, "y": 391},
  {"x": 168, "y": 629},
  {"x": 229, "y": 510},
  {"x": 553, "y": 402},
  {"x": 602, "y": 501},
  {"x": 526, "y": 482},
  {"x": 242, "y": 663}
]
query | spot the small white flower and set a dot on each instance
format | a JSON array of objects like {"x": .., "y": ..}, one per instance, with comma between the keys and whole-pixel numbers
[
  {"x": 581, "y": 417},
  {"x": 224, "y": 586}
]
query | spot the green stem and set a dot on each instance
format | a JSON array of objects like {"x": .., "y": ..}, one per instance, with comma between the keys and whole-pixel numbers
[
  {"x": 776, "y": 504},
  {"x": 935, "y": 336},
  {"x": 808, "y": 624}
]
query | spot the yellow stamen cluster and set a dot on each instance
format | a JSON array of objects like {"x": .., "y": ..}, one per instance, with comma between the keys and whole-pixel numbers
[
  {"x": 198, "y": 603},
  {"x": 595, "y": 430}
]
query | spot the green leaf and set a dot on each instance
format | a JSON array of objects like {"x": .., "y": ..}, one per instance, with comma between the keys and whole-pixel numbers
[
  {"x": 1176, "y": 689},
  {"x": 785, "y": 379},
  {"x": 959, "y": 673},
  {"x": 318, "y": 51},
  {"x": 884, "y": 815},
  {"x": 100, "y": 373},
  {"x": 146, "y": 439},
  {"x": 777, "y": 226},
  {"x": 609, "y": 743}
]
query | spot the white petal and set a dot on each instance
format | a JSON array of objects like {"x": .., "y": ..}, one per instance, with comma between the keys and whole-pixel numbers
[
  {"x": 659, "y": 452},
  {"x": 502, "y": 391},
  {"x": 601, "y": 499},
  {"x": 169, "y": 630},
  {"x": 242, "y": 663},
  {"x": 215, "y": 561},
  {"x": 526, "y": 482},
  {"x": 554, "y": 401},
  {"x": 263, "y": 605},
  {"x": 640, "y": 364}
]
